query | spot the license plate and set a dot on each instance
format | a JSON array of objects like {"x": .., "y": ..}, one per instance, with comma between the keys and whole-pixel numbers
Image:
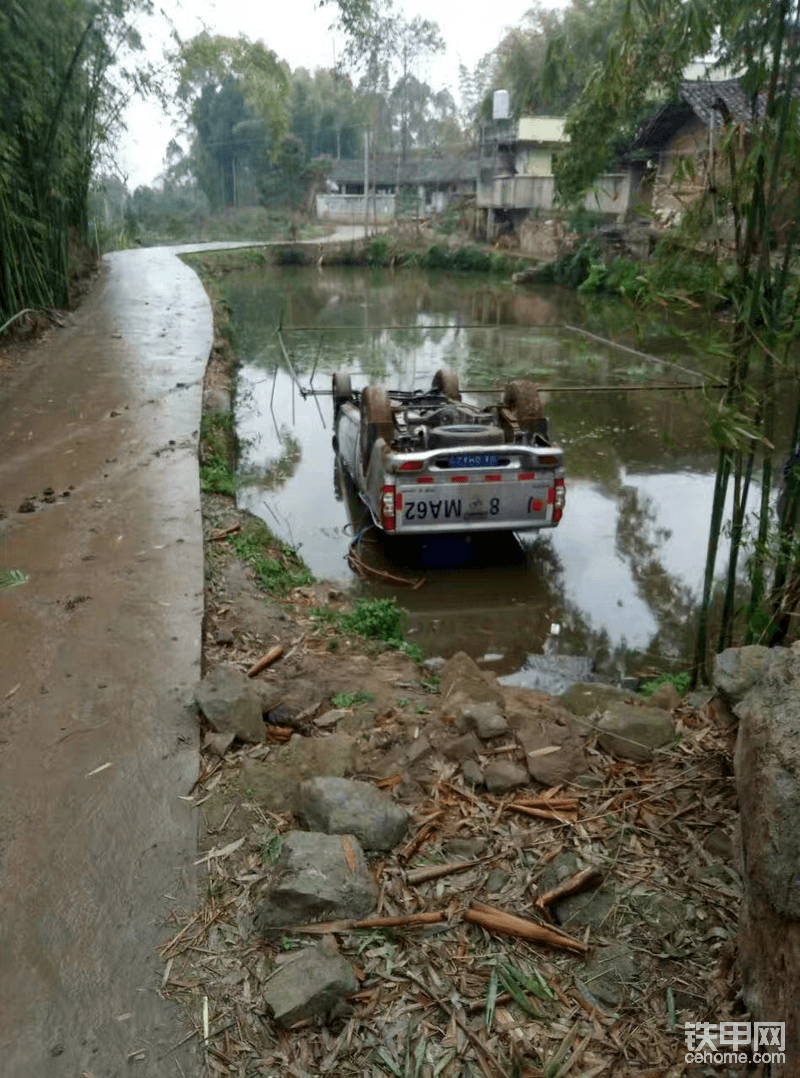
[{"x": 474, "y": 460}]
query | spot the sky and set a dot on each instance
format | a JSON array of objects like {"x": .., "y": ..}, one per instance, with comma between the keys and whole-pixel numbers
[{"x": 299, "y": 31}]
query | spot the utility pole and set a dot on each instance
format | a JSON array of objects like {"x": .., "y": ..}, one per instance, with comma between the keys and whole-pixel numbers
[{"x": 366, "y": 182}]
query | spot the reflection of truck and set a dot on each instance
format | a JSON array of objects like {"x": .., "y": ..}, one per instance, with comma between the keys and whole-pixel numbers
[{"x": 426, "y": 461}]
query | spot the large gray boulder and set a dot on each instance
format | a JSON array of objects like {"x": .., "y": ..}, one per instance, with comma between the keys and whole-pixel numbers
[
  {"x": 633, "y": 733},
  {"x": 767, "y": 768},
  {"x": 311, "y": 985},
  {"x": 339, "y": 806},
  {"x": 736, "y": 670},
  {"x": 501, "y": 775},
  {"x": 317, "y": 876},
  {"x": 463, "y": 683},
  {"x": 230, "y": 703}
]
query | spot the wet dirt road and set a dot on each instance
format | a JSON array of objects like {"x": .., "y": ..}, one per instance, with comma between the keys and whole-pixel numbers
[{"x": 100, "y": 649}]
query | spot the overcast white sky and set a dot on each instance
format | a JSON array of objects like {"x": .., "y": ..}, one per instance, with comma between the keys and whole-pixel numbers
[{"x": 300, "y": 33}]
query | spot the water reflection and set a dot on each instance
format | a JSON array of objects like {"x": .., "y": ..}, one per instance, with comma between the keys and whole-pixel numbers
[{"x": 619, "y": 577}]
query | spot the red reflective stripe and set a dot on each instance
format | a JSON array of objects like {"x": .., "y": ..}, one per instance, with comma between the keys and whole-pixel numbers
[
  {"x": 559, "y": 482},
  {"x": 536, "y": 505},
  {"x": 526, "y": 475},
  {"x": 425, "y": 479},
  {"x": 551, "y": 496},
  {"x": 549, "y": 460},
  {"x": 493, "y": 479},
  {"x": 558, "y": 512},
  {"x": 398, "y": 502},
  {"x": 459, "y": 478},
  {"x": 410, "y": 466}
]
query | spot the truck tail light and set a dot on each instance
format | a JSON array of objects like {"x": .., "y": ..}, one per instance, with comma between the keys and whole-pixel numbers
[{"x": 387, "y": 508}]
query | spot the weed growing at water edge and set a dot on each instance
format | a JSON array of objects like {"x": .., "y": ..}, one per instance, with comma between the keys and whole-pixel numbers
[
  {"x": 278, "y": 568},
  {"x": 217, "y": 452}
]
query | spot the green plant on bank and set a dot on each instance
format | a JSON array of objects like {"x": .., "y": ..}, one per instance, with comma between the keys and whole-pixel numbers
[
  {"x": 217, "y": 454},
  {"x": 278, "y": 568},
  {"x": 681, "y": 682},
  {"x": 346, "y": 700},
  {"x": 371, "y": 619}
]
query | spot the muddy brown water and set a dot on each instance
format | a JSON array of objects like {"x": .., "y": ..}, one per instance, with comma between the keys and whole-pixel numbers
[{"x": 617, "y": 582}]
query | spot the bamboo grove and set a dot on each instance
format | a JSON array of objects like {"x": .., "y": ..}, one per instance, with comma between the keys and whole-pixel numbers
[
  {"x": 58, "y": 106},
  {"x": 748, "y": 219}
]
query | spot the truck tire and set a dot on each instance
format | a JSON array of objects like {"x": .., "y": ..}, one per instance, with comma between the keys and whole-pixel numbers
[
  {"x": 376, "y": 420},
  {"x": 466, "y": 434},
  {"x": 445, "y": 381},
  {"x": 342, "y": 389},
  {"x": 522, "y": 398}
]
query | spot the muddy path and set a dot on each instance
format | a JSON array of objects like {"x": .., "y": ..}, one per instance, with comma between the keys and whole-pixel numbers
[{"x": 101, "y": 645}]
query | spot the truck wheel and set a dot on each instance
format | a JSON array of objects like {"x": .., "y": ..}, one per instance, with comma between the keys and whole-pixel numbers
[
  {"x": 464, "y": 434},
  {"x": 522, "y": 398},
  {"x": 342, "y": 390},
  {"x": 445, "y": 382},
  {"x": 376, "y": 420}
]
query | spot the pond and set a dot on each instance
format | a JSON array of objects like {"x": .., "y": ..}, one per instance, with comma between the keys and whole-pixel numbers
[{"x": 617, "y": 581}]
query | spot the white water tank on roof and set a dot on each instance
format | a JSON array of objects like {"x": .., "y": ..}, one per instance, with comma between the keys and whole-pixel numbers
[{"x": 500, "y": 104}]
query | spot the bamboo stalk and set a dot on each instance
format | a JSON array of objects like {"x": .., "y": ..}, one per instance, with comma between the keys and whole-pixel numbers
[
  {"x": 328, "y": 928},
  {"x": 508, "y": 924},
  {"x": 265, "y": 660}
]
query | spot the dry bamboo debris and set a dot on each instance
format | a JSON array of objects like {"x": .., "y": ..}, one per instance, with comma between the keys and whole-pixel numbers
[
  {"x": 266, "y": 660},
  {"x": 508, "y": 924},
  {"x": 584, "y": 880},
  {"x": 208, "y": 953},
  {"x": 214, "y": 537}
]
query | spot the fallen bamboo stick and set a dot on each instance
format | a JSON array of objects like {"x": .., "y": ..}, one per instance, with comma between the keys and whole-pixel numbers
[
  {"x": 563, "y": 816},
  {"x": 433, "y": 872},
  {"x": 216, "y": 536},
  {"x": 265, "y": 660},
  {"x": 581, "y": 881},
  {"x": 328, "y": 928},
  {"x": 508, "y": 924}
]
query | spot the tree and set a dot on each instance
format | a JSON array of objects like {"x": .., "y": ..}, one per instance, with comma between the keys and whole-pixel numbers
[
  {"x": 235, "y": 95},
  {"x": 62, "y": 88},
  {"x": 753, "y": 183}
]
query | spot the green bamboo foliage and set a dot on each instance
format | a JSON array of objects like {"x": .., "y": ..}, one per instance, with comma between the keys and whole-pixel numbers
[{"x": 57, "y": 105}]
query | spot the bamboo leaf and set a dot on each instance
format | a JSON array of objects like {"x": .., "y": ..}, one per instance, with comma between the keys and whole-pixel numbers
[
  {"x": 511, "y": 985},
  {"x": 9, "y": 578}
]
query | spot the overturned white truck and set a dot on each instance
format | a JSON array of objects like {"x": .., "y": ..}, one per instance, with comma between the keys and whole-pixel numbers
[{"x": 428, "y": 462}]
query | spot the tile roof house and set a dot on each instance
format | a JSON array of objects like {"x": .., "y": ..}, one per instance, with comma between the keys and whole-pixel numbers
[
  {"x": 675, "y": 150},
  {"x": 415, "y": 187}
]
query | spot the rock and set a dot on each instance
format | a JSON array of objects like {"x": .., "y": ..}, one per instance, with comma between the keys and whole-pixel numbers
[
  {"x": 461, "y": 748},
  {"x": 666, "y": 697},
  {"x": 310, "y": 985},
  {"x": 271, "y": 696},
  {"x": 486, "y": 720},
  {"x": 218, "y": 744},
  {"x": 473, "y": 773},
  {"x": 504, "y": 775},
  {"x": 584, "y": 698},
  {"x": 464, "y": 683},
  {"x": 632, "y": 733},
  {"x": 314, "y": 879},
  {"x": 418, "y": 750},
  {"x": 230, "y": 703},
  {"x": 344, "y": 807},
  {"x": 610, "y": 973},
  {"x": 539, "y": 737},
  {"x": 767, "y": 769},
  {"x": 736, "y": 670},
  {"x": 223, "y": 636},
  {"x": 274, "y": 783},
  {"x": 28, "y": 506},
  {"x": 330, "y": 718}
]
